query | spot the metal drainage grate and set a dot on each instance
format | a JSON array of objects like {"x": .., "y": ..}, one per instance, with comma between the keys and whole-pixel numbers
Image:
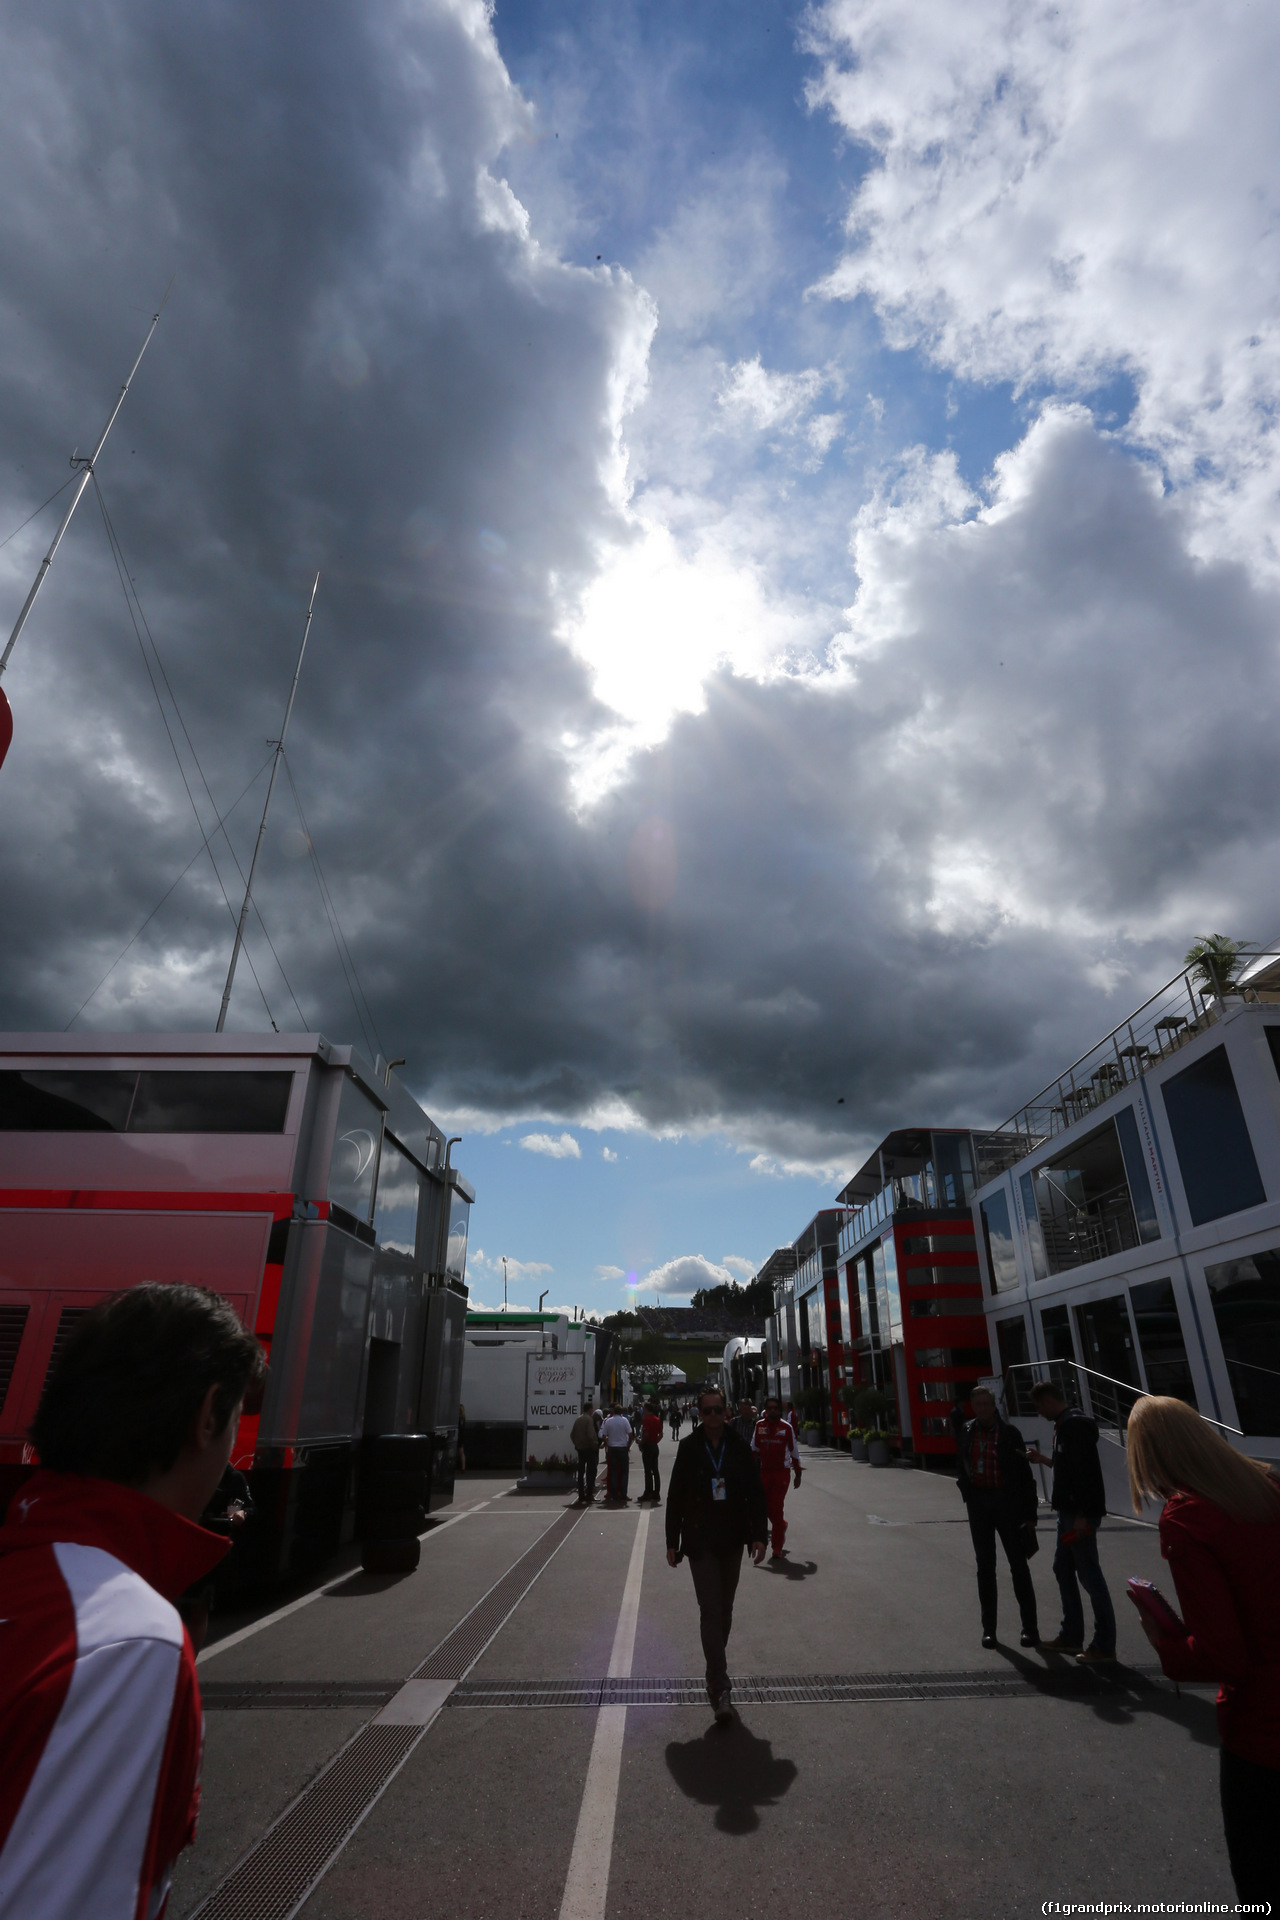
[
  {"x": 276, "y": 1877},
  {"x": 461, "y": 1648},
  {"x": 798, "y": 1689},
  {"x": 233, "y": 1696}
]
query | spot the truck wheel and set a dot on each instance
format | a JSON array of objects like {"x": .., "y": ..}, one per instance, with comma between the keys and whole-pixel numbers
[
  {"x": 390, "y": 1556},
  {"x": 401, "y": 1452}
]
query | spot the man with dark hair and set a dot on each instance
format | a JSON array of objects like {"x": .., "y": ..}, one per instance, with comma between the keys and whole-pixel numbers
[
  {"x": 1080, "y": 1500},
  {"x": 774, "y": 1444},
  {"x": 100, "y": 1721},
  {"x": 999, "y": 1492},
  {"x": 715, "y": 1507},
  {"x": 650, "y": 1436}
]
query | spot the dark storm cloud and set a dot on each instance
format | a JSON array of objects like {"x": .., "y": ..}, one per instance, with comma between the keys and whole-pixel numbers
[{"x": 1045, "y": 745}]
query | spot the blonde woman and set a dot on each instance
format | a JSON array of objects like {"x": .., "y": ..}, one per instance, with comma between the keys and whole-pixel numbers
[{"x": 1220, "y": 1533}]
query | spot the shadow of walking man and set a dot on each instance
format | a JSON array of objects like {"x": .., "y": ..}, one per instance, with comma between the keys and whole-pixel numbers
[{"x": 734, "y": 1772}]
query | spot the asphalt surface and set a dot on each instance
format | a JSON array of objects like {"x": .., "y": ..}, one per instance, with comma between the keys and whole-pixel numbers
[{"x": 1056, "y": 1786}]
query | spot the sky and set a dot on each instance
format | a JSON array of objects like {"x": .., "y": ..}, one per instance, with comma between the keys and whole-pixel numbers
[{"x": 794, "y": 494}]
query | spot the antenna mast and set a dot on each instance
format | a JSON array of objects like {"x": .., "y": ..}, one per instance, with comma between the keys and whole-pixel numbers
[
  {"x": 86, "y": 474},
  {"x": 262, "y": 825}
]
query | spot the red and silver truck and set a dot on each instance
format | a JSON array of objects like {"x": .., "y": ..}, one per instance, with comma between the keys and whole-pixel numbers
[{"x": 286, "y": 1173}]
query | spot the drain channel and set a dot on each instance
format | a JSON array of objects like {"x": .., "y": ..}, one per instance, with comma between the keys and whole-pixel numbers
[
  {"x": 279, "y": 1873},
  {"x": 800, "y": 1689},
  {"x": 232, "y": 1696}
]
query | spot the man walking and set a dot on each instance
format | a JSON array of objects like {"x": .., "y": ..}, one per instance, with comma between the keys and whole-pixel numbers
[
  {"x": 774, "y": 1445},
  {"x": 100, "y": 1720},
  {"x": 585, "y": 1438},
  {"x": 618, "y": 1441},
  {"x": 999, "y": 1492},
  {"x": 745, "y": 1424},
  {"x": 1080, "y": 1500},
  {"x": 650, "y": 1435},
  {"x": 715, "y": 1508}
]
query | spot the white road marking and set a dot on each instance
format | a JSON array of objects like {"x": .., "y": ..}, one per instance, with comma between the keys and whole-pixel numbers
[
  {"x": 282, "y": 1613},
  {"x": 587, "y": 1885},
  {"x": 416, "y": 1705}
]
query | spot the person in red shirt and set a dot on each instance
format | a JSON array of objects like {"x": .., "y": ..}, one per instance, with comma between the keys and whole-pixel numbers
[
  {"x": 1220, "y": 1533},
  {"x": 650, "y": 1435},
  {"x": 100, "y": 1721},
  {"x": 774, "y": 1445}
]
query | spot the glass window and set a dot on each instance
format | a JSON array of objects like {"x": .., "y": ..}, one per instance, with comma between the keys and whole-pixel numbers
[
  {"x": 212, "y": 1102},
  {"x": 355, "y": 1151},
  {"x": 950, "y": 1276},
  {"x": 867, "y": 1299},
  {"x": 1011, "y": 1342},
  {"x": 1058, "y": 1343},
  {"x": 1084, "y": 1204},
  {"x": 1273, "y": 1041},
  {"x": 935, "y": 1426},
  {"x": 886, "y": 1263},
  {"x": 1160, "y": 1341},
  {"x": 1211, "y": 1139},
  {"x": 1035, "y": 1238},
  {"x": 1135, "y": 1166},
  {"x": 1106, "y": 1339},
  {"x": 455, "y": 1260},
  {"x": 1246, "y": 1307},
  {"x": 953, "y": 1170},
  {"x": 953, "y": 1356},
  {"x": 936, "y": 1389},
  {"x": 1001, "y": 1261},
  {"x": 955, "y": 1239},
  {"x": 936, "y": 1303},
  {"x": 395, "y": 1212},
  {"x": 159, "y": 1100}
]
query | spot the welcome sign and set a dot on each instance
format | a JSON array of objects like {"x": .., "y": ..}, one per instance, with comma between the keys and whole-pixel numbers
[{"x": 553, "y": 1401}]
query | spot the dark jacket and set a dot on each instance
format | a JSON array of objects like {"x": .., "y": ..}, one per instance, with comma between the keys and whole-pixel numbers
[
  {"x": 1077, "y": 1470},
  {"x": 1017, "y": 1482},
  {"x": 689, "y": 1503}
]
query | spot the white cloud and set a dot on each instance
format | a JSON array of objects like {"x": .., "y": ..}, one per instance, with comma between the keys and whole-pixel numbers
[
  {"x": 611, "y": 1273},
  {"x": 743, "y": 1268},
  {"x": 683, "y": 1276},
  {"x": 560, "y": 1146},
  {"x": 486, "y": 1266},
  {"x": 1072, "y": 192},
  {"x": 607, "y": 1153}
]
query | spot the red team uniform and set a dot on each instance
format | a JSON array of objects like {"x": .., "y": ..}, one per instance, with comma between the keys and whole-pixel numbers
[{"x": 775, "y": 1448}]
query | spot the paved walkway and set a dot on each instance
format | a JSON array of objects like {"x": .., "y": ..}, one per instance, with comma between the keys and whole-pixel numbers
[{"x": 553, "y": 1760}]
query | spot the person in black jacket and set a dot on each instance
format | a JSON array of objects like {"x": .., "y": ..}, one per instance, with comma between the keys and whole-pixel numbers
[
  {"x": 999, "y": 1492},
  {"x": 715, "y": 1507},
  {"x": 1080, "y": 1501}
]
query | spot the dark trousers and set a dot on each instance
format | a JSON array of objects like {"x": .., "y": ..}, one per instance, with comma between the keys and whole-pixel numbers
[
  {"x": 1250, "y": 1818},
  {"x": 1075, "y": 1566},
  {"x": 715, "y": 1581},
  {"x": 991, "y": 1517},
  {"x": 652, "y": 1478},
  {"x": 618, "y": 1464},
  {"x": 588, "y": 1467}
]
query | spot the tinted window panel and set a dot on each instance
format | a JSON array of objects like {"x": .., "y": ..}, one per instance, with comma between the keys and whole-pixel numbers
[
  {"x": 1246, "y": 1307},
  {"x": 86, "y": 1102},
  {"x": 950, "y": 1240},
  {"x": 354, "y": 1160},
  {"x": 168, "y": 1102},
  {"x": 1058, "y": 1343},
  {"x": 1215, "y": 1153},
  {"x": 999, "y": 1238},
  {"x": 939, "y": 1305},
  {"x": 1135, "y": 1166},
  {"x": 1159, "y": 1331},
  {"x": 395, "y": 1212}
]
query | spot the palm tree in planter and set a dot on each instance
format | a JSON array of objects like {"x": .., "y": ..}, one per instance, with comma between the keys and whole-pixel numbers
[
  {"x": 871, "y": 1406},
  {"x": 1217, "y": 961}
]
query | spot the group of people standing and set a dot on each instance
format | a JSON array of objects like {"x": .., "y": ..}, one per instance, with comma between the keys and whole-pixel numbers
[{"x": 1219, "y": 1532}]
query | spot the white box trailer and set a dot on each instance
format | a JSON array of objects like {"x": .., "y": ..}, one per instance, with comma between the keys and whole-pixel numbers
[
  {"x": 494, "y": 1376},
  {"x": 286, "y": 1173}
]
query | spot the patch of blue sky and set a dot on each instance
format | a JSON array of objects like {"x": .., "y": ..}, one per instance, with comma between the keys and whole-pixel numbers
[{"x": 660, "y": 1199}]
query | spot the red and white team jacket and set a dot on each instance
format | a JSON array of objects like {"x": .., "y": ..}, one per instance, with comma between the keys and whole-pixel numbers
[
  {"x": 775, "y": 1447},
  {"x": 100, "y": 1721}
]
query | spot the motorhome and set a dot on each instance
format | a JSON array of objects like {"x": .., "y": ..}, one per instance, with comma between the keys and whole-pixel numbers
[{"x": 289, "y": 1174}]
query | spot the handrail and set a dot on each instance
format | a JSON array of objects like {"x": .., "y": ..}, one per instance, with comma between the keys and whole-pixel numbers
[{"x": 1139, "y": 1393}]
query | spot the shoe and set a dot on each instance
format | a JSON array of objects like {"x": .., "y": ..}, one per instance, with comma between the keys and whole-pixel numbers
[
  {"x": 1060, "y": 1644},
  {"x": 723, "y": 1708},
  {"x": 773, "y": 1557},
  {"x": 1028, "y": 1638},
  {"x": 1096, "y": 1657},
  {"x": 989, "y": 1640}
]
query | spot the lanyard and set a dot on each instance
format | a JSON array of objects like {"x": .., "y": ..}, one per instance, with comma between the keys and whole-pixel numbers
[{"x": 715, "y": 1463}]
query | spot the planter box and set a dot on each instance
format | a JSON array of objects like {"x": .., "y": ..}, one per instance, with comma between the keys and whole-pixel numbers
[
  {"x": 811, "y": 1436},
  {"x": 878, "y": 1453},
  {"x": 858, "y": 1448}
]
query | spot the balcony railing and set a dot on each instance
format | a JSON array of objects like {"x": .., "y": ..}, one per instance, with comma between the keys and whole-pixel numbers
[
  {"x": 1107, "y": 1400},
  {"x": 1168, "y": 1020}
]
